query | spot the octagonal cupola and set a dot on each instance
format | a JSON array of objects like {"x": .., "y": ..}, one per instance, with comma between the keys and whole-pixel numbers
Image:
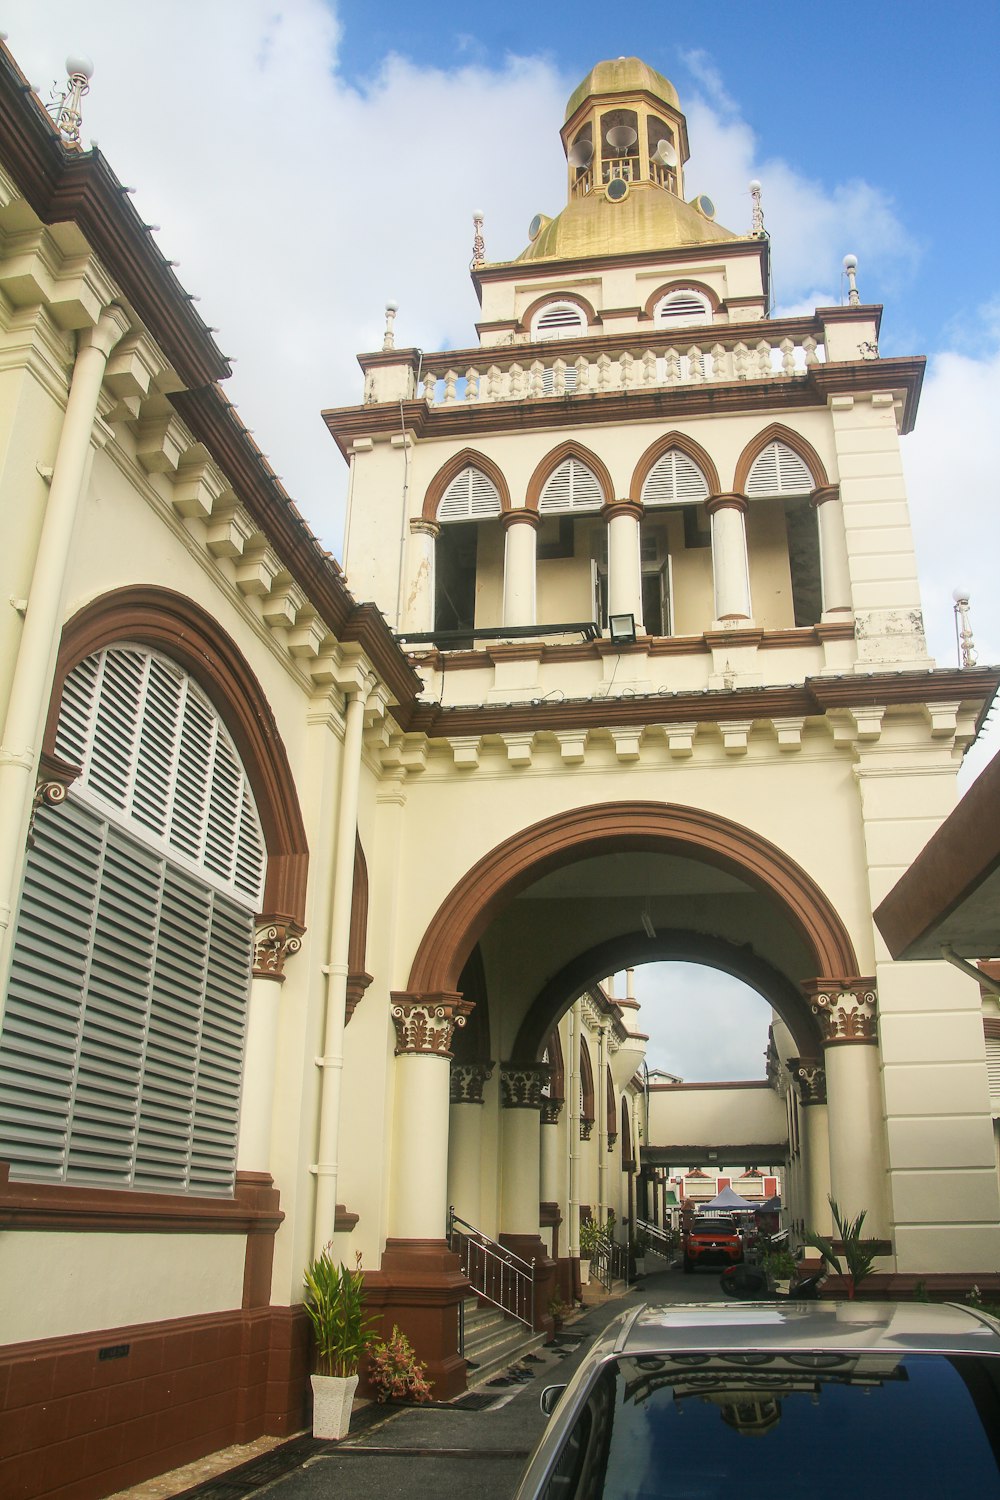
[{"x": 624, "y": 131}]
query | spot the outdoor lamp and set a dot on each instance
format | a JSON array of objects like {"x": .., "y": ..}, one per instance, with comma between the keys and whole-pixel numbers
[{"x": 622, "y": 629}]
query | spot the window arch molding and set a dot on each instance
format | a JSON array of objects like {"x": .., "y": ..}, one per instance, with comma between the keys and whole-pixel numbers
[
  {"x": 778, "y": 433},
  {"x": 590, "y": 315},
  {"x": 692, "y": 450},
  {"x": 551, "y": 462},
  {"x": 468, "y": 458},
  {"x": 180, "y": 629},
  {"x": 686, "y": 284}
]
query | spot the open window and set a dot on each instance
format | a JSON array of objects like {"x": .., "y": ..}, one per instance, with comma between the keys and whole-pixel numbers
[{"x": 781, "y": 478}]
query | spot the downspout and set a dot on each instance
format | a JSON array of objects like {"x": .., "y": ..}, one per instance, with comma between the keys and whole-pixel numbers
[
  {"x": 602, "y": 1125},
  {"x": 34, "y": 668},
  {"x": 573, "y": 1228},
  {"x": 336, "y": 972}
]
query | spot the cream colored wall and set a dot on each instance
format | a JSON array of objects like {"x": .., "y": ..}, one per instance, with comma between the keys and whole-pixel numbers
[
  {"x": 78, "y": 1283},
  {"x": 691, "y": 1117}
]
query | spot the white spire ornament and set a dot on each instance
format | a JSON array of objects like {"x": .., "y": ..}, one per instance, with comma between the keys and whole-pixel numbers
[
  {"x": 757, "y": 225},
  {"x": 64, "y": 107},
  {"x": 478, "y": 242},
  {"x": 850, "y": 270},
  {"x": 389, "y": 337}
]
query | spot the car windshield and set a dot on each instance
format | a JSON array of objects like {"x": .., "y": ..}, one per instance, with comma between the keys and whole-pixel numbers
[{"x": 709, "y": 1427}]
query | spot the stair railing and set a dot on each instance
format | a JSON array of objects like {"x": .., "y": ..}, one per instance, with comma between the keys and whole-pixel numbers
[
  {"x": 657, "y": 1238},
  {"x": 609, "y": 1262},
  {"x": 495, "y": 1273}
]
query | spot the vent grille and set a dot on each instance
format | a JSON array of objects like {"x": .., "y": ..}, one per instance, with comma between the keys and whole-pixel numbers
[
  {"x": 681, "y": 307},
  {"x": 571, "y": 487},
  {"x": 469, "y": 497},
  {"x": 559, "y": 320},
  {"x": 778, "y": 470},
  {"x": 674, "y": 479}
]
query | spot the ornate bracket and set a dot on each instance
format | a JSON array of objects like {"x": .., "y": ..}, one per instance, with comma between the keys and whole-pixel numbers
[
  {"x": 468, "y": 1081},
  {"x": 809, "y": 1077},
  {"x": 274, "y": 940},
  {"x": 551, "y": 1110},
  {"x": 55, "y": 777},
  {"x": 356, "y": 986},
  {"x": 586, "y": 1126},
  {"x": 425, "y": 1024},
  {"x": 844, "y": 1008},
  {"x": 521, "y": 1088}
]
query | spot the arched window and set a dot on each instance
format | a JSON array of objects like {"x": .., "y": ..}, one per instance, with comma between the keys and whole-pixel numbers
[
  {"x": 471, "y": 496},
  {"x": 122, "y": 1048},
  {"x": 674, "y": 479},
  {"x": 571, "y": 486},
  {"x": 778, "y": 470},
  {"x": 558, "y": 320},
  {"x": 682, "y": 307}
]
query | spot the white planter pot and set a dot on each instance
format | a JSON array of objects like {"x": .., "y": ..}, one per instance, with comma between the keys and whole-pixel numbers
[
  {"x": 333, "y": 1397},
  {"x": 640, "y": 1265},
  {"x": 584, "y": 1272}
]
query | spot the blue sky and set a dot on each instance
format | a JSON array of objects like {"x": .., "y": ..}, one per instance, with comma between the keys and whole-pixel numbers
[{"x": 308, "y": 161}]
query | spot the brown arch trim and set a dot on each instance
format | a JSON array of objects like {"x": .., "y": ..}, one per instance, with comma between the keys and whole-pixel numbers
[
  {"x": 173, "y": 624},
  {"x": 588, "y": 1113},
  {"x": 669, "y": 945},
  {"x": 778, "y": 433},
  {"x": 552, "y": 460},
  {"x": 611, "y": 1111},
  {"x": 587, "y": 308},
  {"x": 660, "y": 827},
  {"x": 694, "y": 451},
  {"x": 358, "y": 979},
  {"x": 682, "y": 284},
  {"x": 626, "y": 1135},
  {"x": 557, "y": 1077},
  {"x": 450, "y": 470}
]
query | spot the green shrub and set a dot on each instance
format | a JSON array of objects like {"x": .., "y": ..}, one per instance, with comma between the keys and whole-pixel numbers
[{"x": 334, "y": 1301}]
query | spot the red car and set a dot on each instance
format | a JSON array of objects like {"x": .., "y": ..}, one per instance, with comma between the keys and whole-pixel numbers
[{"x": 712, "y": 1242}]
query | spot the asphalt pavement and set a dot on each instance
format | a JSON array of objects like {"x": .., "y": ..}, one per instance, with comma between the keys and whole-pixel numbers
[{"x": 438, "y": 1452}]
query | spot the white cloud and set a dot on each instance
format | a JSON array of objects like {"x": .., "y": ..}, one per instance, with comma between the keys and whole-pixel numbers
[{"x": 702, "y": 1024}]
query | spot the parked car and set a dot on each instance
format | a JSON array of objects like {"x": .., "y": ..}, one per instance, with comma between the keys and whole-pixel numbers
[
  {"x": 712, "y": 1242},
  {"x": 858, "y": 1399}
]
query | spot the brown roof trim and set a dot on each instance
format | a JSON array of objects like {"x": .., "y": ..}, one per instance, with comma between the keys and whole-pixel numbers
[
  {"x": 475, "y": 419},
  {"x": 531, "y": 270},
  {"x": 812, "y": 699},
  {"x": 963, "y": 853},
  {"x": 214, "y": 421},
  {"x": 61, "y": 185}
]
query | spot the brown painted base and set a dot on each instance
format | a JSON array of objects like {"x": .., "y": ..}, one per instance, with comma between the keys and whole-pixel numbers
[
  {"x": 419, "y": 1287},
  {"x": 84, "y": 1416},
  {"x": 532, "y": 1247},
  {"x": 568, "y": 1285},
  {"x": 939, "y": 1286}
]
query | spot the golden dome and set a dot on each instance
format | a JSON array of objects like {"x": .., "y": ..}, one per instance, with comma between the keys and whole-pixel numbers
[
  {"x": 622, "y": 75},
  {"x": 645, "y": 220}
]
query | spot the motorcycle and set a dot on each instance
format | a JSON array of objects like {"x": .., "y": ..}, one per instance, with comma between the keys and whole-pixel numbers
[{"x": 747, "y": 1283}]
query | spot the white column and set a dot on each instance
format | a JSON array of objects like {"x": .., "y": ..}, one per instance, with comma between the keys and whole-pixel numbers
[
  {"x": 729, "y": 559},
  {"x": 573, "y": 1165},
  {"x": 809, "y": 1077},
  {"x": 274, "y": 941},
  {"x": 521, "y": 1096},
  {"x": 418, "y": 1196},
  {"x": 520, "y": 526},
  {"x": 601, "y": 1109},
  {"x": 835, "y": 570},
  {"x": 624, "y": 560},
  {"x": 550, "y": 1184},
  {"x": 34, "y": 668},
  {"x": 418, "y": 598},
  {"x": 465, "y": 1138}
]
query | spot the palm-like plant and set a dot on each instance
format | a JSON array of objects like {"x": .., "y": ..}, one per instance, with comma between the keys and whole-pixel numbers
[
  {"x": 335, "y": 1304},
  {"x": 859, "y": 1254}
]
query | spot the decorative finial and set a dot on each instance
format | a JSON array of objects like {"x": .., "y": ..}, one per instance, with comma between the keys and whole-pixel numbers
[
  {"x": 389, "y": 338},
  {"x": 64, "y": 106},
  {"x": 757, "y": 227},
  {"x": 478, "y": 243},
  {"x": 963, "y": 629},
  {"x": 850, "y": 269}
]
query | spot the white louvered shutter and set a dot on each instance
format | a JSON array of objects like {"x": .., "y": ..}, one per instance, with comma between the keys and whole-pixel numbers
[
  {"x": 572, "y": 486},
  {"x": 683, "y": 307},
  {"x": 471, "y": 496},
  {"x": 558, "y": 320},
  {"x": 993, "y": 1071},
  {"x": 674, "y": 479},
  {"x": 778, "y": 470}
]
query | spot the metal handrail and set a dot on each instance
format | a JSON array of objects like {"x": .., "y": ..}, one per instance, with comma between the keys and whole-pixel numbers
[
  {"x": 610, "y": 1262},
  {"x": 496, "y": 1274},
  {"x": 658, "y": 1239}
]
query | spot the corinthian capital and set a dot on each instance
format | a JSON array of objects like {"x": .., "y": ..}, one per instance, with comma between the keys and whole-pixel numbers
[
  {"x": 809, "y": 1077},
  {"x": 521, "y": 1087},
  {"x": 426, "y": 1023},
  {"x": 468, "y": 1081},
  {"x": 274, "y": 940},
  {"x": 844, "y": 1008}
]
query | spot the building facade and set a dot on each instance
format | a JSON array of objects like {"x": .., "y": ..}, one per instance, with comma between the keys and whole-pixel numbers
[{"x": 308, "y": 905}]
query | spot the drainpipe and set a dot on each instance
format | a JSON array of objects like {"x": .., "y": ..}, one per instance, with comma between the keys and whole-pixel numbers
[
  {"x": 336, "y": 971},
  {"x": 602, "y": 1125},
  {"x": 34, "y": 668},
  {"x": 573, "y": 1227}
]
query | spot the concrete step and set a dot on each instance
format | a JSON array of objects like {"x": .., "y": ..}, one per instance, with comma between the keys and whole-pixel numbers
[{"x": 493, "y": 1341}]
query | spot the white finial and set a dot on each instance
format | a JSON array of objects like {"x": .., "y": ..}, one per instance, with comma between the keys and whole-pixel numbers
[
  {"x": 64, "y": 107},
  {"x": 389, "y": 338},
  {"x": 478, "y": 243},
  {"x": 963, "y": 629},
  {"x": 757, "y": 227},
  {"x": 850, "y": 268}
]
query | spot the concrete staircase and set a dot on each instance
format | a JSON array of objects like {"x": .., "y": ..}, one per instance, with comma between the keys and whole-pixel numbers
[{"x": 493, "y": 1341}]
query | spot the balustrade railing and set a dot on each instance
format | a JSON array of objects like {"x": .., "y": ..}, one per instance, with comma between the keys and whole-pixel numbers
[
  {"x": 496, "y": 1274},
  {"x": 610, "y": 1262},
  {"x": 659, "y": 1240},
  {"x": 506, "y": 378}
]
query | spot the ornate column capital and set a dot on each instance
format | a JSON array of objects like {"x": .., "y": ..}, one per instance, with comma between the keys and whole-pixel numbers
[
  {"x": 809, "y": 1077},
  {"x": 520, "y": 515},
  {"x": 614, "y": 508},
  {"x": 586, "y": 1126},
  {"x": 468, "y": 1080},
  {"x": 521, "y": 1087},
  {"x": 274, "y": 940},
  {"x": 551, "y": 1110},
  {"x": 845, "y": 1009},
  {"x": 425, "y": 1024},
  {"x": 422, "y": 527},
  {"x": 823, "y": 493},
  {"x": 730, "y": 501}
]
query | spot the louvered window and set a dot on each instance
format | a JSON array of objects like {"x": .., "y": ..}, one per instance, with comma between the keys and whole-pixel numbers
[
  {"x": 674, "y": 479},
  {"x": 469, "y": 497},
  {"x": 685, "y": 306},
  {"x": 778, "y": 470},
  {"x": 572, "y": 486},
  {"x": 558, "y": 320},
  {"x": 122, "y": 1047},
  {"x": 993, "y": 1071}
]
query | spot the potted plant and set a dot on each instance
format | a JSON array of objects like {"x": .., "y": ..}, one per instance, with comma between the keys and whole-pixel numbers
[
  {"x": 334, "y": 1302},
  {"x": 859, "y": 1254},
  {"x": 638, "y": 1248},
  {"x": 590, "y": 1235},
  {"x": 394, "y": 1371}
]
